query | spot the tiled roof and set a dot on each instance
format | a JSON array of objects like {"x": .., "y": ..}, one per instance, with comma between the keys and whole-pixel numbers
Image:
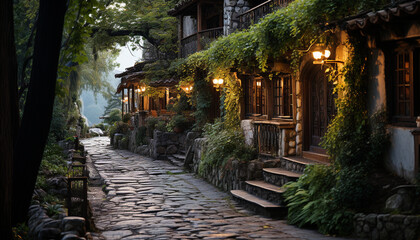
[
  {"x": 401, "y": 9},
  {"x": 179, "y": 6},
  {"x": 164, "y": 83},
  {"x": 130, "y": 70}
]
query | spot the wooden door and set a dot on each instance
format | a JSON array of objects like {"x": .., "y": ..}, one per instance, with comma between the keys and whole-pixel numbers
[{"x": 321, "y": 108}]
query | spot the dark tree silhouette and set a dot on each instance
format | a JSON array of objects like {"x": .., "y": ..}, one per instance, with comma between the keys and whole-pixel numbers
[
  {"x": 8, "y": 113},
  {"x": 29, "y": 142}
]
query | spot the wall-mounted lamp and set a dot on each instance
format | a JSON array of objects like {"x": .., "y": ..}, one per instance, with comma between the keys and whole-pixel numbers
[
  {"x": 217, "y": 83},
  {"x": 321, "y": 57},
  {"x": 258, "y": 83},
  {"x": 187, "y": 89}
]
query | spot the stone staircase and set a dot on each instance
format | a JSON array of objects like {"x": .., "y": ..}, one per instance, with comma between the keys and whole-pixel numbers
[
  {"x": 178, "y": 159},
  {"x": 265, "y": 196}
]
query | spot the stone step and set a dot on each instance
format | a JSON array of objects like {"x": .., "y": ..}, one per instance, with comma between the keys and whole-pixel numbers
[
  {"x": 265, "y": 191},
  {"x": 297, "y": 164},
  {"x": 279, "y": 176},
  {"x": 180, "y": 157},
  {"x": 316, "y": 156},
  {"x": 259, "y": 205},
  {"x": 175, "y": 161}
]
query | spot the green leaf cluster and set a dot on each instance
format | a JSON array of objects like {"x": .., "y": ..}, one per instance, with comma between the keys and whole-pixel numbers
[
  {"x": 311, "y": 202},
  {"x": 222, "y": 144}
]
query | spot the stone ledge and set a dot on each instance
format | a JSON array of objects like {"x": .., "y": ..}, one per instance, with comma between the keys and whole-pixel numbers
[{"x": 387, "y": 226}]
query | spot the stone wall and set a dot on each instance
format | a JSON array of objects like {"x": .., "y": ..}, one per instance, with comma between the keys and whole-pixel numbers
[
  {"x": 234, "y": 174},
  {"x": 42, "y": 227},
  {"x": 231, "y": 10},
  {"x": 165, "y": 143},
  {"x": 387, "y": 226}
]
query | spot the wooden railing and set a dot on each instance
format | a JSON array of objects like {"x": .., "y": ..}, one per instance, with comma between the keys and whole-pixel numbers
[
  {"x": 190, "y": 44},
  {"x": 267, "y": 138},
  {"x": 77, "y": 181},
  {"x": 254, "y": 14}
]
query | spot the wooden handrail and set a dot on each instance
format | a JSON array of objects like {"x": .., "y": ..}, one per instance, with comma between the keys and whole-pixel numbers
[{"x": 203, "y": 31}]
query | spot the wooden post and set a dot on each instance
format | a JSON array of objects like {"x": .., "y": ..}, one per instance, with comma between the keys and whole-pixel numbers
[
  {"x": 133, "y": 99},
  {"x": 122, "y": 103},
  {"x": 199, "y": 23},
  {"x": 270, "y": 97},
  {"x": 128, "y": 100}
]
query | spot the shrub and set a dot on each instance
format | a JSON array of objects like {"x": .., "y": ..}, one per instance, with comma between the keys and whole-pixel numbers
[
  {"x": 114, "y": 116},
  {"x": 126, "y": 118},
  {"x": 310, "y": 201},
  {"x": 153, "y": 123},
  {"x": 124, "y": 142},
  {"x": 118, "y": 127},
  {"x": 178, "y": 121},
  {"x": 223, "y": 144},
  {"x": 141, "y": 136}
]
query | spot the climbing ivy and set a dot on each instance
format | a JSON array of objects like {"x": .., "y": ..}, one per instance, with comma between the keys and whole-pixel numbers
[
  {"x": 324, "y": 196},
  {"x": 282, "y": 35}
]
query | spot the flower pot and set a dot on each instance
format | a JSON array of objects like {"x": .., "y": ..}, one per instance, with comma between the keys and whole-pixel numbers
[{"x": 178, "y": 129}]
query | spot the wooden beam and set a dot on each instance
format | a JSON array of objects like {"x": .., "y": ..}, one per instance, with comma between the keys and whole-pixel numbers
[
  {"x": 269, "y": 102},
  {"x": 133, "y": 100},
  {"x": 122, "y": 103}
]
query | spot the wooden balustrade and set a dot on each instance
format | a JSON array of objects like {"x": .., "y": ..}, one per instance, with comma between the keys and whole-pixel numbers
[
  {"x": 254, "y": 14},
  {"x": 200, "y": 40},
  {"x": 267, "y": 138}
]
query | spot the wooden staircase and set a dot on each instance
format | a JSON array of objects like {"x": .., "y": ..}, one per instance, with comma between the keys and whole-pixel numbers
[{"x": 265, "y": 196}]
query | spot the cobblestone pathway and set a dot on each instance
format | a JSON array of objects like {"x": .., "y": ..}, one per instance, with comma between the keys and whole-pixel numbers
[{"x": 152, "y": 199}]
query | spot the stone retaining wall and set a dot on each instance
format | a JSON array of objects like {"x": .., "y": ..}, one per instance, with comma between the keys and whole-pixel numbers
[
  {"x": 165, "y": 143},
  {"x": 387, "y": 226},
  {"x": 234, "y": 174},
  {"x": 42, "y": 227}
]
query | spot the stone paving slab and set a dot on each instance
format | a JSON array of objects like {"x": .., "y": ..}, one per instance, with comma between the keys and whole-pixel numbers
[{"x": 152, "y": 199}]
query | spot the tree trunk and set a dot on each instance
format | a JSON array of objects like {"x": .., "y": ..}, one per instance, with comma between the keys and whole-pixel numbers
[
  {"x": 36, "y": 119},
  {"x": 8, "y": 113}
]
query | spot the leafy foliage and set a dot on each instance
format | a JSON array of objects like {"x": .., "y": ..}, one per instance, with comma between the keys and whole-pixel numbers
[
  {"x": 114, "y": 116},
  {"x": 311, "y": 202},
  {"x": 141, "y": 136},
  {"x": 223, "y": 144}
]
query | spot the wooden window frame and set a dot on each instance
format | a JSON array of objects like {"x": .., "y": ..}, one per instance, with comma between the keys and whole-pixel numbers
[
  {"x": 395, "y": 84},
  {"x": 283, "y": 96}
]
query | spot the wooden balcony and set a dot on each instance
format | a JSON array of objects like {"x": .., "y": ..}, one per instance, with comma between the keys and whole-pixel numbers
[
  {"x": 254, "y": 14},
  {"x": 199, "y": 41}
]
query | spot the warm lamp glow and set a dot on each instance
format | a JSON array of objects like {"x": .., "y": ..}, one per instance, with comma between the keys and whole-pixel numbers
[
  {"x": 217, "y": 82},
  {"x": 143, "y": 89},
  {"x": 327, "y": 53},
  {"x": 317, "y": 55},
  {"x": 258, "y": 83},
  {"x": 126, "y": 99}
]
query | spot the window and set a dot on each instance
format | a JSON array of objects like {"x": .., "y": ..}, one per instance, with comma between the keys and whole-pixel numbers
[
  {"x": 255, "y": 96},
  {"x": 282, "y": 96},
  {"x": 404, "y": 86}
]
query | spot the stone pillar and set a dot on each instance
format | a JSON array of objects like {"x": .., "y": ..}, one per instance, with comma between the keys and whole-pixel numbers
[
  {"x": 299, "y": 114},
  {"x": 231, "y": 10}
]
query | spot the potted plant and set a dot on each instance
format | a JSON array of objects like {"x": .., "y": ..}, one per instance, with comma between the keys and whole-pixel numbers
[{"x": 178, "y": 123}]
